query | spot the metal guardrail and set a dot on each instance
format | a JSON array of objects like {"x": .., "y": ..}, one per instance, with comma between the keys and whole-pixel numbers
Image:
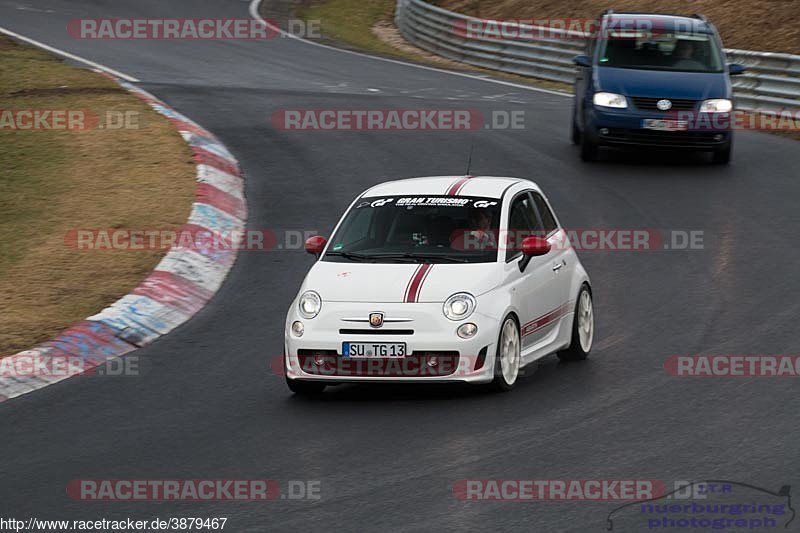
[{"x": 771, "y": 82}]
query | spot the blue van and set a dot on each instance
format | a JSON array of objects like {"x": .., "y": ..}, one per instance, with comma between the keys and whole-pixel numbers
[{"x": 657, "y": 81}]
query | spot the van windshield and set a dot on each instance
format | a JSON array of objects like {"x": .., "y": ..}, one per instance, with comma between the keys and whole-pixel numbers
[{"x": 675, "y": 51}]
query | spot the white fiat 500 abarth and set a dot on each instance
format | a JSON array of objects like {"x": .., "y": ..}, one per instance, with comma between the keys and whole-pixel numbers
[{"x": 439, "y": 279}]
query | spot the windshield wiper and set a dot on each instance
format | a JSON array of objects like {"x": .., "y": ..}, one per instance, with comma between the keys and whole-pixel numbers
[
  {"x": 406, "y": 256},
  {"x": 423, "y": 257},
  {"x": 353, "y": 256}
]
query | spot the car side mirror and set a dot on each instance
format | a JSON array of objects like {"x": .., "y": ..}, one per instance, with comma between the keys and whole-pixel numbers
[
  {"x": 582, "y": 61},
  {"x": 734, "y": 69},
  {"x": 532, "y": 247},
  {"x": 315, "y": 245}
]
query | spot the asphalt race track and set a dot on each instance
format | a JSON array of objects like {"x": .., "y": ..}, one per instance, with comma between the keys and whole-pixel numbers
[{"x": 387, "y": 458}]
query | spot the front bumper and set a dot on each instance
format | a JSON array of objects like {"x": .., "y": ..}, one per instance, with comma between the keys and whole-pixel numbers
[
  {"x": 435, "y": 352},
  {"x": 623, "y": 128}
]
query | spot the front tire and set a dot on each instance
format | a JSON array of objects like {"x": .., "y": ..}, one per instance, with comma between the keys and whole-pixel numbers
[
  {"x": 507, "y": 360},
  {"x": 589, "y": 150},
  {"x": 305, "y": 388},
  {"x": 575, "y": 135},
  {"x": 722, "y": 157},
  {"x": 582, "y": 328}
]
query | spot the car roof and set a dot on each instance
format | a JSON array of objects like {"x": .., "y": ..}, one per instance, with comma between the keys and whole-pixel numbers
[
  {"x": 666, "y": 21},
  {"x": 482, "y": 186}
]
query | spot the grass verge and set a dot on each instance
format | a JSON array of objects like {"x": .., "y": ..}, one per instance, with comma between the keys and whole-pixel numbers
[{"x": 53, "y": 180}]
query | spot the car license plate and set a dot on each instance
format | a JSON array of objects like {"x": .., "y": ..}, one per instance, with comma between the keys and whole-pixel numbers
[
  {"x": 373, "y": 349},
  {"x": 661, "y": 124}
]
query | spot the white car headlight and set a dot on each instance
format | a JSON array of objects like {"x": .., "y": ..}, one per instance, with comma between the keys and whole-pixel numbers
[
  {"x": 610, "y": 100},
  {"x": 309, "y": 305},
  {"x": 716, "y": 105},
  {"x": 459, "y": 306}
]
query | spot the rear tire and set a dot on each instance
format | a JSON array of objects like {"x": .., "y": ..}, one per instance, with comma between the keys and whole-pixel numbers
[
  {"x": 582, "y": 328},
  {"x": 507, "y": 359},
  {"x": 305, "y": 388}
]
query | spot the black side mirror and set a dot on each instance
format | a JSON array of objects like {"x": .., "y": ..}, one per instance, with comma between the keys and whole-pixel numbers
[
  {"x": 734, "y": 69},
  {"x": 582, "y": 61}
]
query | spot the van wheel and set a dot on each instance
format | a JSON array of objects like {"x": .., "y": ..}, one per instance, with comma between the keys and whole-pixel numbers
[
  {"x": 575, "y": 136},
  {"x": 588, "y": 149},
  {"x": 722, "y": 157}
]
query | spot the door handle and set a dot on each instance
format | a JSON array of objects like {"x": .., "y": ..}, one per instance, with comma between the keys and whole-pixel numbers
[{"x": 559, "y": 266}]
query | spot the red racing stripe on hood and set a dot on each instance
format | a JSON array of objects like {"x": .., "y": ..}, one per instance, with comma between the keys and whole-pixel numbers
[{"x": 415, "y": 283}]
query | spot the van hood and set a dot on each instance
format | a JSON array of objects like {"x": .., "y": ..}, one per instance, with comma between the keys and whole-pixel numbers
[
  {"x": 403, "y": 282},
  {"x": 662, "y": 83}
]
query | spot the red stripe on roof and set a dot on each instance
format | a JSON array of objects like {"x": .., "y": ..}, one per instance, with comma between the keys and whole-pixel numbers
[{"x": 457, "y": 185}]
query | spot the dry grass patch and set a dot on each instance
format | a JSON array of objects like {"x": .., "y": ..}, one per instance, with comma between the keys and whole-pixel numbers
[{"x": 52, "y": 181}]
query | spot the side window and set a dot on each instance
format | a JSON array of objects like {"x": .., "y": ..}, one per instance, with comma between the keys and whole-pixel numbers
[
  {"x": 548, "y": 220},
  {"x": 590, "y": 42},
  {"x": 522, "y": 222}
]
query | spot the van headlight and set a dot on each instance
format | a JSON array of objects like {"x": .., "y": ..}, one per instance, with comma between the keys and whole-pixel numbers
[
  {"x": 309, "y": 305},
  {"x": 610, "y": 100},
  {"x": 459, "y": 306},
  {"x": 716, "y": 105}
]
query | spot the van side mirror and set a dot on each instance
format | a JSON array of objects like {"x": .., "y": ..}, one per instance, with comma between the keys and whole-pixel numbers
[
  {"x": 734, "y": 69},
  {"x": 582, "y": 61}
]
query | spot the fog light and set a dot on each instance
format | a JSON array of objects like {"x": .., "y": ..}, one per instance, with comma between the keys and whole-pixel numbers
[
  {"x": 297, "y": 328},
  {"x": 718, "y": 137},
  {"x": 603, "y": 131},
  {"x": 433, "y": 361},
  {"x": 466, "y": 331},
  {"x": 319, "y": 360}
]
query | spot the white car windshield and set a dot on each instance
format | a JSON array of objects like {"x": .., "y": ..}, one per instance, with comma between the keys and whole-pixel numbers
[{"x": 431, "y": 229}]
